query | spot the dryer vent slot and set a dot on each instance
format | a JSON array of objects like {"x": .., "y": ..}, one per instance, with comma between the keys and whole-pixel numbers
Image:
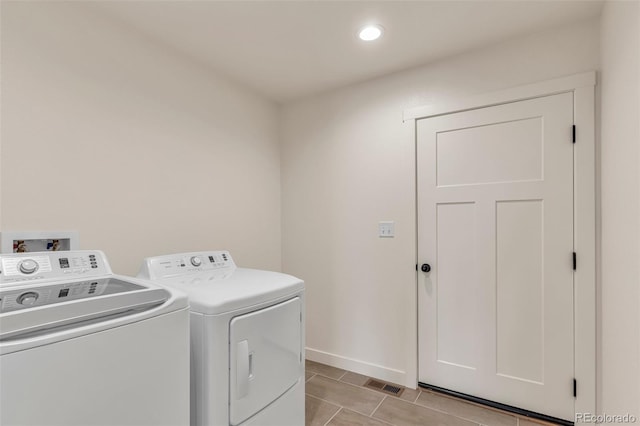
[{"x": 384, "y": 387}]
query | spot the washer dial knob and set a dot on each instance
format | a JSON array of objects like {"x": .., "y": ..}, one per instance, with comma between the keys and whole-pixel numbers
[
  {"x": 196, "y": 261},
  {"x": 28, "y": 298},
  {"x": 28, "y": 266}
]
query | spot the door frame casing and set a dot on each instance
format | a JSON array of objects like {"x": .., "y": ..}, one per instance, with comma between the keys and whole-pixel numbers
[{"x": 584, "y": 209}]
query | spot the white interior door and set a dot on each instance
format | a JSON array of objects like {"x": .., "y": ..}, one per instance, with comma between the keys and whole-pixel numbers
[{"x": 495, "y": 223}]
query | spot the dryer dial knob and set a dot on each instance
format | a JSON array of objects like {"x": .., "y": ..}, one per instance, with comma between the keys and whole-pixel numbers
[
  {"x": 196, "y": 261},
  {"x": 28, "y": 266},
  {"x": 28, "y": 299}
]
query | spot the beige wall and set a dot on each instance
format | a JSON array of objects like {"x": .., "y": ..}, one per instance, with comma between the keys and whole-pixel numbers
[
  {"x": 348, "y": 162},
  {"x": 137, "y": 148},
  {"x": 620, "y": 181}
]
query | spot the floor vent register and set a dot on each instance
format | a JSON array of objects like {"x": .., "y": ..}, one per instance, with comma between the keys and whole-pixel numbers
[{"x": 384, "y": 387}]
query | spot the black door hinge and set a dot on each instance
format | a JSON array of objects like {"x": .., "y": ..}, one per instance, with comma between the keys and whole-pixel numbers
[
  {"x": 575, "y": 261},
  {"x": 416, "y": 266},
  {"x": 574, "y": 133},
  {"x": 575, "y": 388}
]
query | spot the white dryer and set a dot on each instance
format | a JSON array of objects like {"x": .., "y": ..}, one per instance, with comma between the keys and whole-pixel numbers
[
  {"x": 247, "y": 339},
  {"x": 82, "y": 346}
]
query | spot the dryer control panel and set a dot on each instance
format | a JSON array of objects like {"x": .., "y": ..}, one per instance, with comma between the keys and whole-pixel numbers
[
  {"x": 29, "y": 267},
  {"x": 174, "y": 265}
]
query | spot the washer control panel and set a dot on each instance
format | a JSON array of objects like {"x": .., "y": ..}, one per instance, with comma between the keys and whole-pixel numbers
[
  {"x": 186, "y": 263},
  {"x": 27, "y": 267}
]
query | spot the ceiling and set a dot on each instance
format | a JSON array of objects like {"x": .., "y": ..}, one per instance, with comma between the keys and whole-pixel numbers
[{"x": 291, "y": 49}]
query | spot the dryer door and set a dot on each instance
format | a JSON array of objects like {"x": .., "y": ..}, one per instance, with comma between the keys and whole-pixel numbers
[{"x": 265, "y": 357}]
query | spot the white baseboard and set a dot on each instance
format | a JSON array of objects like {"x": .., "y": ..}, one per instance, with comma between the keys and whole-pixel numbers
[{"x": 372, "y": 370}]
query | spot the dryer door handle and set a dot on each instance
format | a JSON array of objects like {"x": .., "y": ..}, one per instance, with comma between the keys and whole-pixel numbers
[{"x": 243, "y": 369}]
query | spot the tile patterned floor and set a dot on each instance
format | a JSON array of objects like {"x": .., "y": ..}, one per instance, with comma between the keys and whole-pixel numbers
[{"x": 337, "y": 397}]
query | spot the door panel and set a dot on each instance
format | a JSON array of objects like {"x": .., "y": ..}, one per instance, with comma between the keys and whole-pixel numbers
[
  {"x": 519, "y": 290},
  {"x": 462, "y": 160},
  {"x": 456, "y": 230},
  {"x": 495, "y": 221}
]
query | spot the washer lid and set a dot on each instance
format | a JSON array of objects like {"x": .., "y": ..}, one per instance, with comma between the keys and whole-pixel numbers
[
  {"x": 40, "y": 309},
  {"x": 34, "y": 296},
  {"x": 212, "y": 292}
]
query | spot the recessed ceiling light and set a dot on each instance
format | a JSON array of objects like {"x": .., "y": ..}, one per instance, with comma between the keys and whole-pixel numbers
[{"x": 370, "y": 32}]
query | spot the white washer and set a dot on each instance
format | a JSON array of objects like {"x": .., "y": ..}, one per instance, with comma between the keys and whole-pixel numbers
[
  {"x": 82, "y": 346},
  {"x": 247, "y": 339}
]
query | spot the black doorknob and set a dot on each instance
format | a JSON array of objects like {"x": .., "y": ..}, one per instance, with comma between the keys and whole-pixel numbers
[{"x": 425, "y": 267}]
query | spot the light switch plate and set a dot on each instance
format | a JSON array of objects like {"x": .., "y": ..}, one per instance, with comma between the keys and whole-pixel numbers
[{"x": 386, "y": 229}]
